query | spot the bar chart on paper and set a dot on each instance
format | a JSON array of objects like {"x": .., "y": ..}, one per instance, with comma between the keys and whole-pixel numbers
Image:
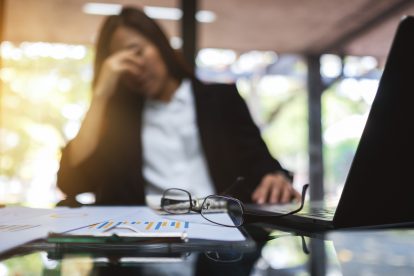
[
  {"x": 161, "y": 225},
  {"x": 15, "y": 227},
  {"x": 145, "y": 220}
]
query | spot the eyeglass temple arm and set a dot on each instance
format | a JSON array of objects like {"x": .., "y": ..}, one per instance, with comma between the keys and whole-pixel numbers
[
  {"x": 238, "y": 180},
  {"x": 304, "y": 246}
]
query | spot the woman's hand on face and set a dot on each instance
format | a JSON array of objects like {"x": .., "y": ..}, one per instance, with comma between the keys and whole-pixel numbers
[
  {"x": 126, "y": 66},
  {"x": 275, "y": 188}
]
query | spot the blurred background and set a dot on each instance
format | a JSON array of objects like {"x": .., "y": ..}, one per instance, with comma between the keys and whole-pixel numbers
[{"x": 308, "y": 71}]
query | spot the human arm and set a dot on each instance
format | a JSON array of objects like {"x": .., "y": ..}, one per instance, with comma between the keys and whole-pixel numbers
[
  {"x": 271, "y": 183},
  {"x": 83, "y": 164},
  {"x": 122, "y": 66}
]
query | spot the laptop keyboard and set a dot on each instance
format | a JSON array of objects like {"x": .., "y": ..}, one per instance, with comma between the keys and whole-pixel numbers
[
  {"x": 319, "y": 212},
  {"x": 325, "y": 213}
]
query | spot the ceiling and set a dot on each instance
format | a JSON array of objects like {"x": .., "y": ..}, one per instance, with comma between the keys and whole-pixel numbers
[{"x": 355, "y": 27}]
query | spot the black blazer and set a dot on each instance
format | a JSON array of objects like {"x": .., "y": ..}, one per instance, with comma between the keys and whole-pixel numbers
[{"x": 231, "y": 142}]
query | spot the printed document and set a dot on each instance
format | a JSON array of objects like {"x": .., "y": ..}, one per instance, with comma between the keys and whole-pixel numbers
[{"x": 145, "y": 220}]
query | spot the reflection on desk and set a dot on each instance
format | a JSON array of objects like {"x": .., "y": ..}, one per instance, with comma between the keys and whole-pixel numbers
[{"x": 381, "y": 252}]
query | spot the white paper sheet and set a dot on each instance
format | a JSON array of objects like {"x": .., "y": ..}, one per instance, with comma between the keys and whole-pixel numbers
[
  {"x": 19, "y": 225},
  {"x": 17, "y": 213},
  {"x": 145, "y": 220}
]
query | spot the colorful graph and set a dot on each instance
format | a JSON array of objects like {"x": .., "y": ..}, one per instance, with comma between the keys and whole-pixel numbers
[
  {"x": 68, "y": 215},
  {"x": 146, "y": 225},
  {"x": 15, "y": 228}
]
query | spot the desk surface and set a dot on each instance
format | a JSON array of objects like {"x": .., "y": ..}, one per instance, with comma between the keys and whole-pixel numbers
[{"x": 382, "y": 252}]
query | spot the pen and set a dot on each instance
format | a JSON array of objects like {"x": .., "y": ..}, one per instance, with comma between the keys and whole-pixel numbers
[{"x": 105, "y": 237}]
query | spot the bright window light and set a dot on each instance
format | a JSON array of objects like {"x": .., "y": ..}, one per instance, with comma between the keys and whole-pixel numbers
[
  {"x": 206, "y": 16},
  {"x": 164, "y": 13},
  {"x": 176, "y": 42},
  {"x": 211, "y": 57},
  {"x": 101, "y": 8},
  {"x": 331, "y": 66}
]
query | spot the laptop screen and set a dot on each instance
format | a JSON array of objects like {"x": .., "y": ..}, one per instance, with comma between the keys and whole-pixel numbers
[{"x": 380, "y": 188}]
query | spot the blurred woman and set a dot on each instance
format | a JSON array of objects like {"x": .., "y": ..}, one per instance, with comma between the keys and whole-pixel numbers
[{"x": 152, "y": 125}]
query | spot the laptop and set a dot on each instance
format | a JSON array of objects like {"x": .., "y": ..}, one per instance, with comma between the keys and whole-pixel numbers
[{"x": 379, "y": 188}]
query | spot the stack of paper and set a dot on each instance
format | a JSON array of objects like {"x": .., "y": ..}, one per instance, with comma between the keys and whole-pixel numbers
[
  {"x": 145, "y": 220},
  {"x": 19, "y": 225}
]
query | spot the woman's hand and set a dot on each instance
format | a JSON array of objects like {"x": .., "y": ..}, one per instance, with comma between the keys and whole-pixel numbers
[
  {"x": 275, "y": 188},
  {"x": 126, "y": 66}
]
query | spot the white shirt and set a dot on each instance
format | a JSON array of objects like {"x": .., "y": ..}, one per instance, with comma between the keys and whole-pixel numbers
[{"x": 172, "y": 152}]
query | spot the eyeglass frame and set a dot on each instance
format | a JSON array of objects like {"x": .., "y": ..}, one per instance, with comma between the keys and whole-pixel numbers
[{"x": 246, "y": 214}]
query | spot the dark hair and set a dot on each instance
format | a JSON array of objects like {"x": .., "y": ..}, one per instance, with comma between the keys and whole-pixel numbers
[{"x": 137, "y": 20}]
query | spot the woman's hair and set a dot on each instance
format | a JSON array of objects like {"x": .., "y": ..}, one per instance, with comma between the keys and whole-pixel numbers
[{"x": 137, "y": 20}]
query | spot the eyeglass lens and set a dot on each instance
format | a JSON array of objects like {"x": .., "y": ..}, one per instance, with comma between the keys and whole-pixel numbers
[
  {"x": 176, "y": 201},
  {"x": 214, "y": 206}
]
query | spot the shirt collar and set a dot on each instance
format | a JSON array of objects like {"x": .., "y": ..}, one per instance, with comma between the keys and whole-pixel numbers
[{"x": 181, "y": 96}]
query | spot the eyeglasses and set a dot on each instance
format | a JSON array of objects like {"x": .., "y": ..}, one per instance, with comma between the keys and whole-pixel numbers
[{"x": 178, "y": 201}]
